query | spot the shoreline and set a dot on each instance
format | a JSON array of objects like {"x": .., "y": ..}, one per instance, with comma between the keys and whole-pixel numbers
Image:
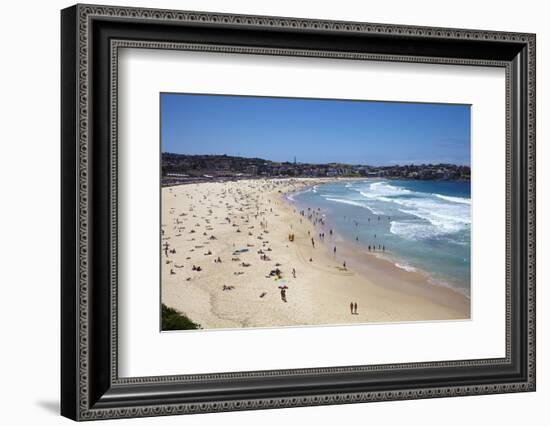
[
  {"x": 214, "y": 179},
  {"x": 385, "y": 269},
  {"x": 359, "y": 249},
  {"x": 247, "y": 219}
]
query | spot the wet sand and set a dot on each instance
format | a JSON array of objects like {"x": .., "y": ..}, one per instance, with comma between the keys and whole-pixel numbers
[{"x": 247, "y": 224}]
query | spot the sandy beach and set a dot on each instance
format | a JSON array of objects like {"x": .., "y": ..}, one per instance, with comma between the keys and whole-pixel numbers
[{"x": 226, "y": 254}]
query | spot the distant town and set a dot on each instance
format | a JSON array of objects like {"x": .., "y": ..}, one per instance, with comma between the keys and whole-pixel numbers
[{"x": 181, "y": 168}]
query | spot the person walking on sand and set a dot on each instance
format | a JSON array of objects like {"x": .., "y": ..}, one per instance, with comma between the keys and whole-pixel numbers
[
  {"x": 313, "y": 242},
  {"x": 351, "y": 307},
  {"x": 355, "y": 308},
  {"x": 334, "y": 250},
  {"x": 294, "y": 272}
]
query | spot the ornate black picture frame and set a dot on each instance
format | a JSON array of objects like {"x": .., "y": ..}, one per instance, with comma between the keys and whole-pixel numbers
[{"x": 91, "y": 36}]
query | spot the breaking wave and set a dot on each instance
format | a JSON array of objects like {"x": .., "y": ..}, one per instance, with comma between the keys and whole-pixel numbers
[{"x": 353, "y": 203}]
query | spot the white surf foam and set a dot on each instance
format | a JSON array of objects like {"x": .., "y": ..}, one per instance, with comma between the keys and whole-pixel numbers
[
  {"x": 353, "y": 203},
  {"x": 405, "y": 267},
  {"x": 459, "y": 200},
  {"x": 413, "y": 230},
  {"x": 291, "y": 196},
  {"x": 384, "y": 188}
]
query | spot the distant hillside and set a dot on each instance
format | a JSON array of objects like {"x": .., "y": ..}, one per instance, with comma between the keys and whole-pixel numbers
[
  {"x": 218, "y": 164},
  {"x": 181, "y": 166}
]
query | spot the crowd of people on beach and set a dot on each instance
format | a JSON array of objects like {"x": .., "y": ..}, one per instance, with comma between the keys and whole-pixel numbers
[
  {"x": 239, "y": 208},
  {"x": 250, "y": 215}
]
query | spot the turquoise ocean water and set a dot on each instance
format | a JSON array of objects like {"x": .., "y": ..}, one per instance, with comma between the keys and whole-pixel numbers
[{"x": 422, "y": 225}]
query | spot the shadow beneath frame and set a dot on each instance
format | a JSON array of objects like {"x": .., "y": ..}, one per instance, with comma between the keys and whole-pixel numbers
[{"x": 50, "y": 406}]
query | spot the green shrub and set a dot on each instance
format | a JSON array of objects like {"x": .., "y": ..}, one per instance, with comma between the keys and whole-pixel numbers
[{"x": 174, "y": 320}]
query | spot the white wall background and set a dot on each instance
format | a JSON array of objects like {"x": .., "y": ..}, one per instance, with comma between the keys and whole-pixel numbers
[{"x": 29, "y": 212}]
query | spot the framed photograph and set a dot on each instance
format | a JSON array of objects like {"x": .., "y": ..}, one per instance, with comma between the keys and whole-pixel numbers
[{"x": 264, "y": 212}]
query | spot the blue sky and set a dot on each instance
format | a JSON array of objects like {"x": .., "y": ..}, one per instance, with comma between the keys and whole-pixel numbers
[{"x": 316, "y": 131}]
